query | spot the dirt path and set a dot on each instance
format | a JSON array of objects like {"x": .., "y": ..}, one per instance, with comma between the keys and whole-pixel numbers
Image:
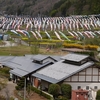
[
  {"x": 37, "y": 97},
  {"x": 8, "y": 90}
]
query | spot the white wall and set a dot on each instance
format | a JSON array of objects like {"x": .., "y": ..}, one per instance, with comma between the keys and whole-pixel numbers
[
  {"x": 83, "y": 85},
  {"x": 88, "y": 77}
]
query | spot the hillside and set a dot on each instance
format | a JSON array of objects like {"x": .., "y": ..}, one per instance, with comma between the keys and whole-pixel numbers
[
  {"x": 76, "y": 7},
  {"x": 50, "y": 7},
  {"x": 27, "y": 7}
]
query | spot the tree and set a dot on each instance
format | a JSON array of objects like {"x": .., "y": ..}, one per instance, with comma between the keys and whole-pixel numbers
[
  {"x": 54, "y": 89},
  {"x": 18, "y": 11},
  {"x": 53, "y": 13},
  {"x": 98, "y": 95},
  {"x": 66, "y": 90}
]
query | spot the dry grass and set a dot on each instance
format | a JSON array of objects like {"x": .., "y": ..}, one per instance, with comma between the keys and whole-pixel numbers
[
  {"x": 22, "y": 50},
  {"x": 16, "y": 50}
]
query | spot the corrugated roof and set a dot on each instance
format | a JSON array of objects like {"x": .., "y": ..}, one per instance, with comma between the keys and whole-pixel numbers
[
  {"x": 59, "y": 71},
  {"x": 74, "y": 57}
]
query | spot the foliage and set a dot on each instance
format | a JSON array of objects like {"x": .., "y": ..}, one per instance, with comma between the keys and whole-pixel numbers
[
  {"x": 4, "y": 72},
  {"x": 26, "y": 7},
  {"x": 86, "y": 53},
  {"x": 31, "y": 7},
  {"x": 53, "y": 13},
  {"x": 74, "y": 45},
  {"x": 54, "y": 89},
  {"x": 98, "y": 95},
  {"x": 92, "y": 41},
  {"x": 69, "y": 45},
  {"x": 61, "y": 98},
  {"x": 20, "y": 84},
  {"x": 78, "y": 7},
  {"x": 43, "y": 93},
  {"x": 66, "y": 90}
]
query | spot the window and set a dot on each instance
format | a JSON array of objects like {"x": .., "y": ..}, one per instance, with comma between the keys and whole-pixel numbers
[
  {"x": 79, "y": 87},
  {"x": 95, "y": 87},
  {"x": 87, "y": 87}
]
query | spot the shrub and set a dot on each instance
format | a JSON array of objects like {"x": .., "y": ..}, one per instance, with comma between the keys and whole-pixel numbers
[
  {"x": 98, "y": 95},
  {"x": 54, "y": 89},
  {"x": 66, "y": 90}
]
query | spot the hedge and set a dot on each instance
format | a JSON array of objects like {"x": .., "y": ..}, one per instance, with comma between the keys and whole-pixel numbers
[
  {"x": 42, "y": 93},
  {"x": 87, "y": 47}
]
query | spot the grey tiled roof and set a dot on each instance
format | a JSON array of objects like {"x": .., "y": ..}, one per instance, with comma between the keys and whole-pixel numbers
[
  {"x": 40, "y": 57},
  {"x": 59, "y": 71},
  {"x": 18, "y": 72},
  {"x": 74, "y": 57},
  {"x": 22, "y": 63},
  {"x": 6, "y": 58}
]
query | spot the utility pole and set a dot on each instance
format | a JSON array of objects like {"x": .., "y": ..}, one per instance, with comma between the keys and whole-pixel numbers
[{"x": 25, "y": 89}]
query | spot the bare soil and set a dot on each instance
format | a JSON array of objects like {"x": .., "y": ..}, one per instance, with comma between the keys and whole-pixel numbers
[
  {"x": 10, "y": 88},
  {"x": 36, "y": 96}
]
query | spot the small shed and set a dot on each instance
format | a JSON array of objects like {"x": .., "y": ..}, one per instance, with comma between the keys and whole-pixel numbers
[
  {"x": 5, "y": 37},
  {"x": 1, "y": 36}
]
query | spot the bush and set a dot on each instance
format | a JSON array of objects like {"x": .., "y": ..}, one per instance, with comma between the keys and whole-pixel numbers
[
  {"x": 98, "y": 95},
  {"x": 66, "y": 90},
  {"x": 54, "y": 89}
]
